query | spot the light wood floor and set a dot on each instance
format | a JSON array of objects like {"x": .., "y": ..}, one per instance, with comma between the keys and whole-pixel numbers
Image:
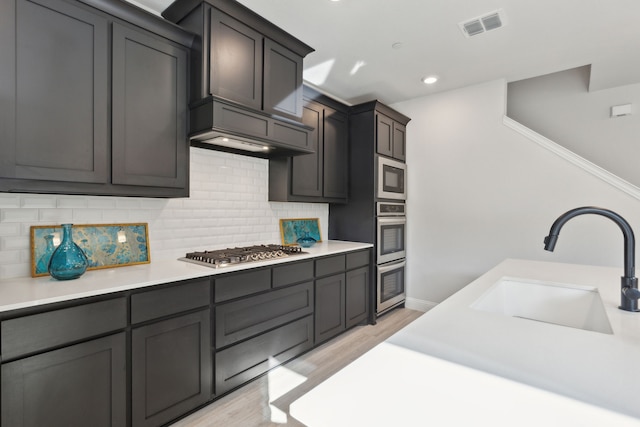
[{"x": 265, "y": 401}]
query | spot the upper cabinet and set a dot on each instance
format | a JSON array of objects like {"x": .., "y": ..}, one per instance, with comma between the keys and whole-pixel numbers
[
  {"x": 242, "y": 58},
  {"x": 149, "y": 127},
  {"x": 390, "y": 137},
  {"x": 90, "y": 104},
  {"x": 390, "y": 128},
  {"x": 321, "y": 176}
]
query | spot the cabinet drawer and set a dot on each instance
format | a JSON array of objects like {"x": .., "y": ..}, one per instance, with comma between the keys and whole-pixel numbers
[
  {"x": 240, "y": 363},
  {"x": 238, "y": 285},
  {"x": 293, "y": 273},
  {"x": 357, "y": 259},
  {"x": 30, "y": 334},
  {"x": 330, "y": 265},
  {"x": 242, "y": 319},
  {"x": 170, "y": 300}
]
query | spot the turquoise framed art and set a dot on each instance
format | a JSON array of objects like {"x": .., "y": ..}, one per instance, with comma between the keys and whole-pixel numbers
[
  {"x": 292, "y": 229},
  {"x": 105, "y": 245}
]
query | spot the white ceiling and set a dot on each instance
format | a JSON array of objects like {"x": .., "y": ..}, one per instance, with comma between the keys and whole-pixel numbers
[{"x": 355, "y": 61}]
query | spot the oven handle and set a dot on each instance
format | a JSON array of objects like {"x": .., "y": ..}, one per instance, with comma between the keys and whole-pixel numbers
[
  {"x": 391, "y": 266},
  {"x": 392, "y": 221}
]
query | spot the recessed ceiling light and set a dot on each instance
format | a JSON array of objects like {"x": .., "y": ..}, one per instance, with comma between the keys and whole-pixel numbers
[{"x": 429, "y": 80}]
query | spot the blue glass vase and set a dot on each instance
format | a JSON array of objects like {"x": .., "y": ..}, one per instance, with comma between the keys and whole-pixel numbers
[
  {"x": 68, "y": 260},
  {"x": 306, "y": 241},
  {"x": 43, "y": 263}
]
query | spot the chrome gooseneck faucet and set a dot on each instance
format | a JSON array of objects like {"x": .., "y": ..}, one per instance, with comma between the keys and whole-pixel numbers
[{"x": 629, "y": 293}]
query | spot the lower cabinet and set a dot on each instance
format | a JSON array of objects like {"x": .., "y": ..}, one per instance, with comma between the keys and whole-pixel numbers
[
  {"x": 249, "y": 359},
  {"x": 357, "y": 296},
  {"x": 256, "y": 333},
  {"x": 81, "y": 385},
  {"x": 342, "y": 300},
  {"x": 330, "y": 307},
  {"x": 171, "y": 368},
  {"x": 146, "y": 357}
]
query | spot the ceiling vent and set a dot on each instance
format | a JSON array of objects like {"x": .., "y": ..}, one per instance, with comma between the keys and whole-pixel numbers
[{"x": 484, "y": 23}]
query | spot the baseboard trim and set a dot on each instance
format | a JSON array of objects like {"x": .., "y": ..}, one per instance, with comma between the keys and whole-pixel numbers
[
  {"x": 418, "y": 304},
  {"x": 573, "y": 158}
]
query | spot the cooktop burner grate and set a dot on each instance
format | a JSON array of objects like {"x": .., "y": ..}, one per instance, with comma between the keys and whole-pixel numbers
[{"x": 223, "y": 257}]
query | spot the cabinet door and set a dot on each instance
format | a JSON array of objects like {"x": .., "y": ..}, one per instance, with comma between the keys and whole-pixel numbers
[
  {"x": 306, "y": 170},
  {"x": 357, "y": 296},
  {"x": 282, "y": 81},
  {"x": 336, "y": 138},
  {"x": 53, "y": 92},
  {"x": 399, "y": 141},
  {"x": 234, "y": 63},
  {"x": 80, "y": 385},
  {"x": 330, "y": 307},
  {"x": 150, "y": 146},
  {"x": 384, "y": 135},
  {"x": 171, "y": 370}
]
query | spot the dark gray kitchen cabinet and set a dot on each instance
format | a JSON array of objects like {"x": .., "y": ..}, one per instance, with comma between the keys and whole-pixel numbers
[
  {"x": 54, "y": 81},
  {"x": 242, "y": 57},
  {"x": 68, "y": 123},
  {"x": 391, "y": 137},
  {"x": 171, "y": 366},
  {"x": 282, "y": 80},
  {"x": 249, "y": 359},
  {"x": 149, "y": 110},
  {"x": 234, "y": 59},
  {"x": 80, "y": 385},
  {"x": 66, "y": 366},
  {"x": 330, "y": 307},
  {"x": 357, "y": 284},
  {"x": 247, "y": 317},
  {"x": 342, "y": 298},
  {"x": 359, "y": 298},
  {"x": 269, "y": 323},
  {"x": 321, "y": 176}
]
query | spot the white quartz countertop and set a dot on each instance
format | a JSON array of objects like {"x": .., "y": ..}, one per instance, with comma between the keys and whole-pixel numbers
[
  {"x": 456, "y": 364},
  {"x": 29, "y": 292}
]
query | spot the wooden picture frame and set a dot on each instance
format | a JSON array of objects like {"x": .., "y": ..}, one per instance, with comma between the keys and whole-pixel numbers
[
  {"x": 291, "y": 229},
  {"x": 105, "y": 245}
]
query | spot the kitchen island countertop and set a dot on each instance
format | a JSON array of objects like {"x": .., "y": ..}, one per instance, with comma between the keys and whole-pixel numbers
[
  {"x": 25, "y": 292},
  {"x": 457, "y": 365}
]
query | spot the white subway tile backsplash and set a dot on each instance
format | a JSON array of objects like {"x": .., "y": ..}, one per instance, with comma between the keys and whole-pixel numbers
[
  {"x": 13, "y": 243},
  {"x": 71, "y": 202},
  {"x": 10, "y": 229},
  {"x": 15, "y": 270},
  {"x": 101, "y": 202},
  {"x": 36, "y": 201},
  {"x": 9, "y": 201},
  {"x": 228, "y": 206},
  {"x": 19, "y": 215},
  {"x": 55, "y": 216}
]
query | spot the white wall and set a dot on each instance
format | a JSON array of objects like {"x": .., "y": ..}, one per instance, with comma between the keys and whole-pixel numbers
[
  {"x": 560, "y": 107},
  {"x": 227, "y": 207},
  {"x": 479, "y": 193}
]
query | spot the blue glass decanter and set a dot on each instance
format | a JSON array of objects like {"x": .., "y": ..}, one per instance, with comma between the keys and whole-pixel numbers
[
  {"x": 68, "y": 260},
  {"x": 306, "y": 241}
]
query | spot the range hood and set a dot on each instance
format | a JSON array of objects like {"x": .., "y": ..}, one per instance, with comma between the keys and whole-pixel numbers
[{"x": 219, "y": 124}]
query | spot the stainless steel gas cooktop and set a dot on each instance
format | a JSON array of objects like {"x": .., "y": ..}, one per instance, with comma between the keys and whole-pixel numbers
[{"x": 224, "y": 257}]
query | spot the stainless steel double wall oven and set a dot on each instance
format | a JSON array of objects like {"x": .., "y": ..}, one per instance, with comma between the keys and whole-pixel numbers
[{"x": 391, "y": 233}]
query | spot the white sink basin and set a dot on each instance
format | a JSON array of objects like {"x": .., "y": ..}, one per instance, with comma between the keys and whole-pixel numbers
[{"x": 560, "y": 304}]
